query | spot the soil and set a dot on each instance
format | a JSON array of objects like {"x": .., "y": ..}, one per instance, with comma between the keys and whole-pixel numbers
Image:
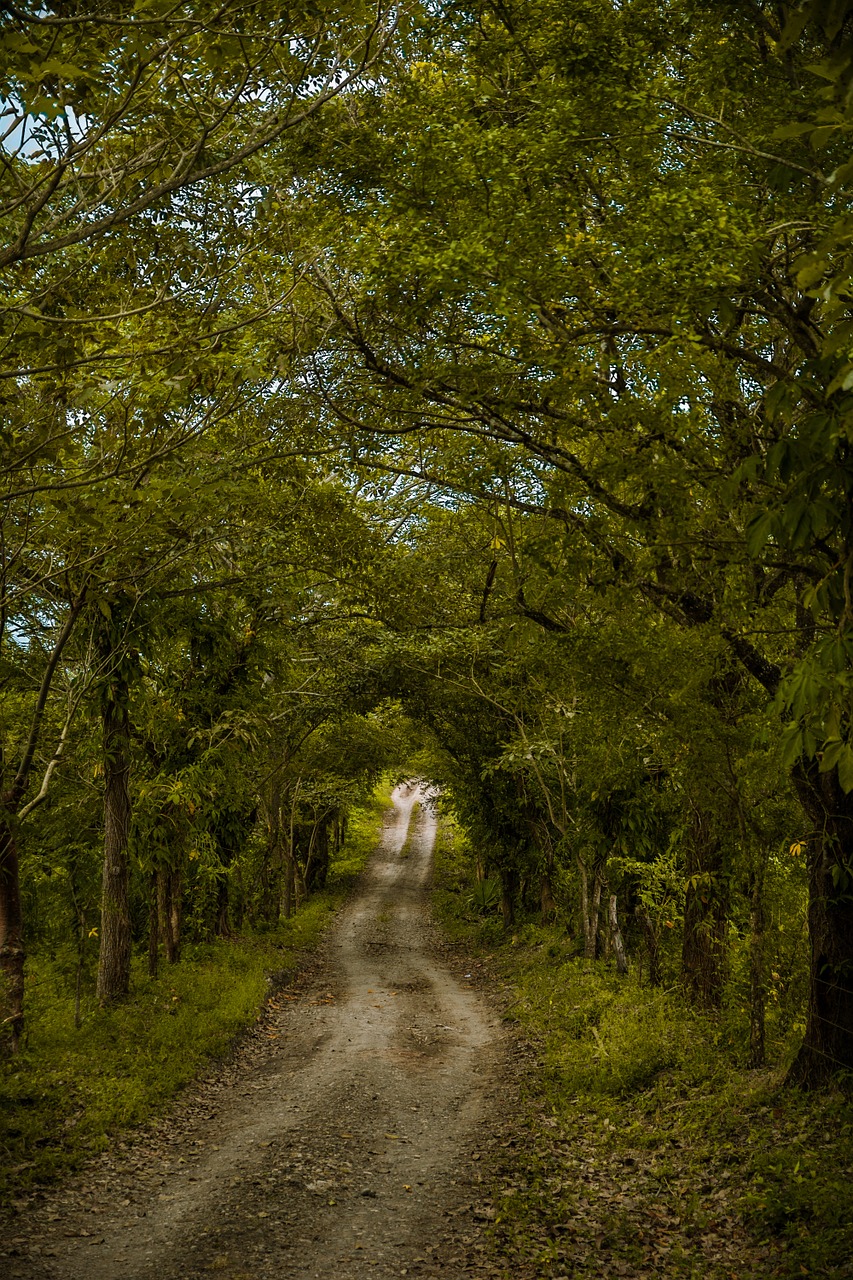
[{"x": 345, "y": 1138}]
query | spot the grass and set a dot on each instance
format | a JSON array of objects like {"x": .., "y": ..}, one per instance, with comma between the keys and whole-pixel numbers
[
  {"x": 645, "y": 1148},
  {"x": 410, "y": 833},
  {"x": 71, "y": 1090}
]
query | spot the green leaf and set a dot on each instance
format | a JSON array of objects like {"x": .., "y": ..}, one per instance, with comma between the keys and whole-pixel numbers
[
  {"x": 792, "y": 130},
  {"x": 831, "y": 754},
  {"x": 820, "y": 137},
  {"x": 758, "y": 530},
  {"x": 845, "y": 768},
  {"x": 792, "y": 748}
]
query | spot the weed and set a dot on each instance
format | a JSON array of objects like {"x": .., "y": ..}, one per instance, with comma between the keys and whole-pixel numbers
[{"x": 485, "y": 897}]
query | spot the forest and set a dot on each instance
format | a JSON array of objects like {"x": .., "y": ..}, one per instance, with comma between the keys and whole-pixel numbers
[{"x": 459, "y": 391}]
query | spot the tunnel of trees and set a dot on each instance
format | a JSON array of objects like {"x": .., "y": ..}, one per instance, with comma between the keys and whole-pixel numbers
[{"x": 473, "y": 381}]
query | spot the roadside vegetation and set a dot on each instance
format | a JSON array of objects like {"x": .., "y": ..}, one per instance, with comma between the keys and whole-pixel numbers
[{"x": 645, "y": 1145}]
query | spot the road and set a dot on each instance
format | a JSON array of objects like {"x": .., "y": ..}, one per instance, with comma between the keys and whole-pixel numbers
[{"x": 344, "y": 1142}]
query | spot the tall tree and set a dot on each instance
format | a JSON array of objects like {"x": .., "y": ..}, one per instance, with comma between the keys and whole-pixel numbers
[{"x": 580, "y": 289}]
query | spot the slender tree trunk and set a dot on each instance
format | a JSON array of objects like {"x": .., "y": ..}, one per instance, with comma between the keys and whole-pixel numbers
[
  {"x": 827, "y": 1046},
  {"x": 317, "y": 864},
  {"x": 588, "y": 950},
  {"x": 169, "y": 912},
  {"x": 78, "y": 994},
  {"x": 548, "y": 905},
  {"x": 114, "y": 958},
  {"x": 177, "y": 897},
  {"x": 288, "y": 880},
  {"x": 153, "y": 927},
  {"x": 237, "y": 906},
  {"x": 273, "y": 863},
  {"x": 705, "y": 917},
  {"x": 300, "y": 888},
  {"x": 652, "y": 947},
  {"x": 164, "y": 911},
  {"x": 223, "y": 923},
  {"x": 757, "y": 978},
  {"x": 591, "y": 949},
  {"x": 11, "y": 943},
  {"x": 616, "y": 937},
  {"x": 290, "y": 896},
  {"x": 509, "y": 889}
]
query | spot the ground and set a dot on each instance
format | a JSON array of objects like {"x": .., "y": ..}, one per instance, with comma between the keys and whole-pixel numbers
[{"x": 345, "y": 1137}]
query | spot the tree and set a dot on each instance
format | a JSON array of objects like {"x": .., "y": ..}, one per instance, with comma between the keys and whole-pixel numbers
[
  {"x": 579, "y": 290},
  {"x": 118, "y": 132}
]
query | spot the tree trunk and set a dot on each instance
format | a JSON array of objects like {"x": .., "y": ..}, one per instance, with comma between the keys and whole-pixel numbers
[
  {"x": 705, "y": 917},
  {"x": 827, "y": 1046},
  {"x": 591, "y": 939},
  {"x": 616, "y": 938},
  {"x": 757, "y": 980},
  {"x": 114, "y": 958},
  {"x": 548, "y": 906},
  {"x": 582, "y": 871},
  {"x": 164, "y": 908},
  {"x": 317, "y": 863},
  {"x": 652, "y": 946},
  {"x": 300, "y": 891},
  {"x": 11, "y": 944},
  {"x": 272, "y": 862},
  {"x": 288, "y": 881},
  {"x": 153, "y": 928},
  {"x": 176, "y": 895},
  {"x": 169, "y": 912},
  {"x": 509, "y": 889},
  {"x": 223, "y": 923},
  {"x": 238, "y": 900}
]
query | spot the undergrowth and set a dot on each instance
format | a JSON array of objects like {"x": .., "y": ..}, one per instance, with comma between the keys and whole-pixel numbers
[
  {"x": 72, "y": 1088},
  {"x": 650, "y": 1149}
]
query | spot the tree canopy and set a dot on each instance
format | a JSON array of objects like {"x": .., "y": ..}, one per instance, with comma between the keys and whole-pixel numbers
[{"x": 466, "y": 390}]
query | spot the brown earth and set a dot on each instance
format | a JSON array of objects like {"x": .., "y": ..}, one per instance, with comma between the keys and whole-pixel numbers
[{"x": 344, "y": 1139}]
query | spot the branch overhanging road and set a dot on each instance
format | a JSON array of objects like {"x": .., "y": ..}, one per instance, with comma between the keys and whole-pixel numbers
[{"x": 345, "y": 1146}]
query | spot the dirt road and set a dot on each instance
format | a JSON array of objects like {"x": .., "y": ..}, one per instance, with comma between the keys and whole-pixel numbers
[{"x": 343, "y": 1142}]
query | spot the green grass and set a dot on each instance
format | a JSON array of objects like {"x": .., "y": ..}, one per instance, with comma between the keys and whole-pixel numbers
[
  {"x": 406, "y": 850},
  {"x": 646, "y": 1148},
  {"x": 71, "y": 1089}
]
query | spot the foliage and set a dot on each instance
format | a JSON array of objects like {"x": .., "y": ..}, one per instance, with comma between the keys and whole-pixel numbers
[{"x": 461, "y": 390}]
